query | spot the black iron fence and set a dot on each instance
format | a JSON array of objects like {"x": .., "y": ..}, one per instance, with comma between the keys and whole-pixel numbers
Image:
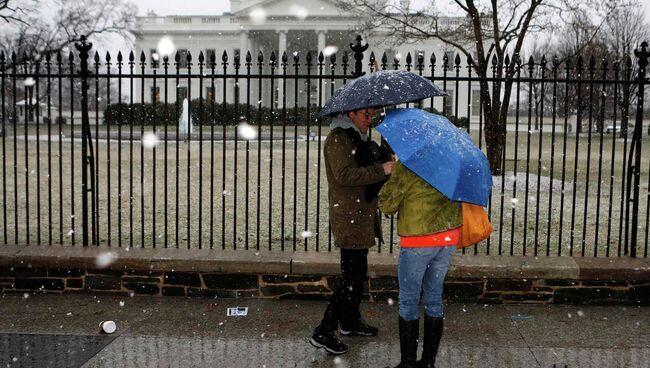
[{"x": 207, "y": 153}]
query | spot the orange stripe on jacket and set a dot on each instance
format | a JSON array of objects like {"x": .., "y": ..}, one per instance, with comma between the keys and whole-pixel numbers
[{"x": 441, "y": 239}]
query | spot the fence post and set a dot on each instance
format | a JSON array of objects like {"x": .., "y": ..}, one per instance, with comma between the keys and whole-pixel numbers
[
  {"x": 358, "y": 49},
  {"x": 634, "y": 170},
  {"x": 86, "y": 143}
]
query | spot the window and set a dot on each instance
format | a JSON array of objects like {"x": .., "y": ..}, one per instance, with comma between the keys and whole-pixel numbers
[
  {"x": 476, "y": 102},
  {"x": 181, "y": 93},
  {"x": 313, "y": 95},
  {"x": 209, "y": 53},
  {"x": 450, "y": 57},
  {"x": 448, "y": 103},
  {"x": 417, "y": 55},
  {"x": 209, "y": 93},
  {"x": 182, "y": 53},
  {"x": 390, "y": 58},
  {"x": 155, "y": 94}
]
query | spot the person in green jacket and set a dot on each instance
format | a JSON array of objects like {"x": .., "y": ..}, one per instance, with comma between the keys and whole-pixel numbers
[{"x": 429, "y": 228}]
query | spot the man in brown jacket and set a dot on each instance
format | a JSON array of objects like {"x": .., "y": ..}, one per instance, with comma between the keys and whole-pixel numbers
[{"x": 356, "y": 169}]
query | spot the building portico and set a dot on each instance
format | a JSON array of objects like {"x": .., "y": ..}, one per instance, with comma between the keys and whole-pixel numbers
[{"x": 263, "y": 27}]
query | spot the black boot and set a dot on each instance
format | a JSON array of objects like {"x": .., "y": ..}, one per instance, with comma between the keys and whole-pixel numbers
[
  {"x": 408, "y": 342},
  {"x": 431, "y": 343}
]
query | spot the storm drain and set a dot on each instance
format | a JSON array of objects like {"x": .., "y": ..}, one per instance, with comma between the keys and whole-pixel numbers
[{"x": 27, "y": 350}]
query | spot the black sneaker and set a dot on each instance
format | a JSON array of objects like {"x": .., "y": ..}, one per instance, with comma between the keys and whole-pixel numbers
[
  {"x": 328, "y": 341},
  {"x": 359, "y": 328}
]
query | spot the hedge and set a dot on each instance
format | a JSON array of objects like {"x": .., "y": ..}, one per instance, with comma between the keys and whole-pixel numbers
[
  {"x": 209, "y": 114},
  {"x": 206, "y": 113}
]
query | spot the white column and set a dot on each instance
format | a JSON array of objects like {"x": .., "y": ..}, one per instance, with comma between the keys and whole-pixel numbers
[
  {"x": 321, "y": 40},
  {"x": 243, "y": 43},
  {"x": 282, "y": 47},
  {"x": 321, "y": 46},
  {"x": 244, "y": 46}
]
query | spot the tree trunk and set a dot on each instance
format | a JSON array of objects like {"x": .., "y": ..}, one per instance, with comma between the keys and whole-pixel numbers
[{"x": 494, "y": 141}]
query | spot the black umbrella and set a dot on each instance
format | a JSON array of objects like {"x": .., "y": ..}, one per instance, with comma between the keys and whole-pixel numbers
[{"x": 383, "y": 88}]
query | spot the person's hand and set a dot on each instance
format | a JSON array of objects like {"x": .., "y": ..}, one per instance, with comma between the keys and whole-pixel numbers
[{"x": 388, "y": 167}]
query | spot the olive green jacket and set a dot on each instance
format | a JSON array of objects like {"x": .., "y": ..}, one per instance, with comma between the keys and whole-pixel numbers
[
  {"x": 422, "y": 209},
  {"x": 354, "y": 221}
]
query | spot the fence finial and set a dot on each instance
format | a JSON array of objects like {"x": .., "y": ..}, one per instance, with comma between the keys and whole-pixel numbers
[
  {"x": 643, "y": 54},
  {"x": 83, "y": 47},
  {"x": 358, "y": 56}
]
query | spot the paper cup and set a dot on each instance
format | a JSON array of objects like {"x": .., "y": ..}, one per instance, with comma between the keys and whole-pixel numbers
[{"x": 107, "y": 327}]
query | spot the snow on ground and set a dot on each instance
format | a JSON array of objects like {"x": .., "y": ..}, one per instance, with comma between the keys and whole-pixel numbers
[{"x": 520, "y": 179}]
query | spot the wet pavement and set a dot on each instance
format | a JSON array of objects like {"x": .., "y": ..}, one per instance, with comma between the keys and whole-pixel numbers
[{"x": 62, "y": 331}]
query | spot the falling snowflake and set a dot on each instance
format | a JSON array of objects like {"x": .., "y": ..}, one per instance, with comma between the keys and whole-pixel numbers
[
  {"x": 391, "y": 301},
  {"x": 306, "y": 234},
  {"x": 246, "y": 131},
  {"x": 329, "y": 50},
  {"x": 150, "y": 140},
  {"x": 105, "y": 259},
  {"x": 166, "y": 46},
  {"x": 257, "y": 16},
  {"x": 298, "y": 11}
]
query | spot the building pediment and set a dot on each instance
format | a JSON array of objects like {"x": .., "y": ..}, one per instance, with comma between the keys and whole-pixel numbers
[{"x": 287, "y": 8}]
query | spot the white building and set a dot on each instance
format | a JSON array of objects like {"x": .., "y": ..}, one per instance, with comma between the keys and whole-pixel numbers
[{"x": 277, "y": 26}]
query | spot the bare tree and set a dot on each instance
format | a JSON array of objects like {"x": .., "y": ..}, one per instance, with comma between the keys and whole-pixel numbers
[
  {"x": 625, "y": 31},
  {"x": 34, "y": 30},
  {"x": 610, "y": 43},
  {"x": 10, "y": 12},
  {"x": 51, "y": 26},
  {"x": 492, "y": 29}
]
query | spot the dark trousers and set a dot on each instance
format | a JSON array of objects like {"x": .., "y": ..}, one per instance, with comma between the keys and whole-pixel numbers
[{"x": 344, "y": 302}]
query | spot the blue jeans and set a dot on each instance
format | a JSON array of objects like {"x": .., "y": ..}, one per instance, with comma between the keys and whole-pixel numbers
[{"x": 422, "y": 267}]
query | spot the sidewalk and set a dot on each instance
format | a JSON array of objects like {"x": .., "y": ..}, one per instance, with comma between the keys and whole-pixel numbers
[{"x": 61, "y": 331}]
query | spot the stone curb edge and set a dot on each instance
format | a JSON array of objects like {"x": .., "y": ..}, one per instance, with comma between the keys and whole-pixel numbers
[{"x": 470, "y": 267}]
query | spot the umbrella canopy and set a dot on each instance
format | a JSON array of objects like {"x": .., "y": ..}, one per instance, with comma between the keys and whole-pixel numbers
[
  {"x": 383, "y": 88},
  {"x": 440, "y": 153}
]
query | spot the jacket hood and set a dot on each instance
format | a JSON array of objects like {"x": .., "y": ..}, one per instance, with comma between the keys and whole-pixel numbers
[{"x": 344, "y": 122}]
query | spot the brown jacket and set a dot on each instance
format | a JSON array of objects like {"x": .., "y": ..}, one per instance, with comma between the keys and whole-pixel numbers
[{"x": 354, "y": 220}]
